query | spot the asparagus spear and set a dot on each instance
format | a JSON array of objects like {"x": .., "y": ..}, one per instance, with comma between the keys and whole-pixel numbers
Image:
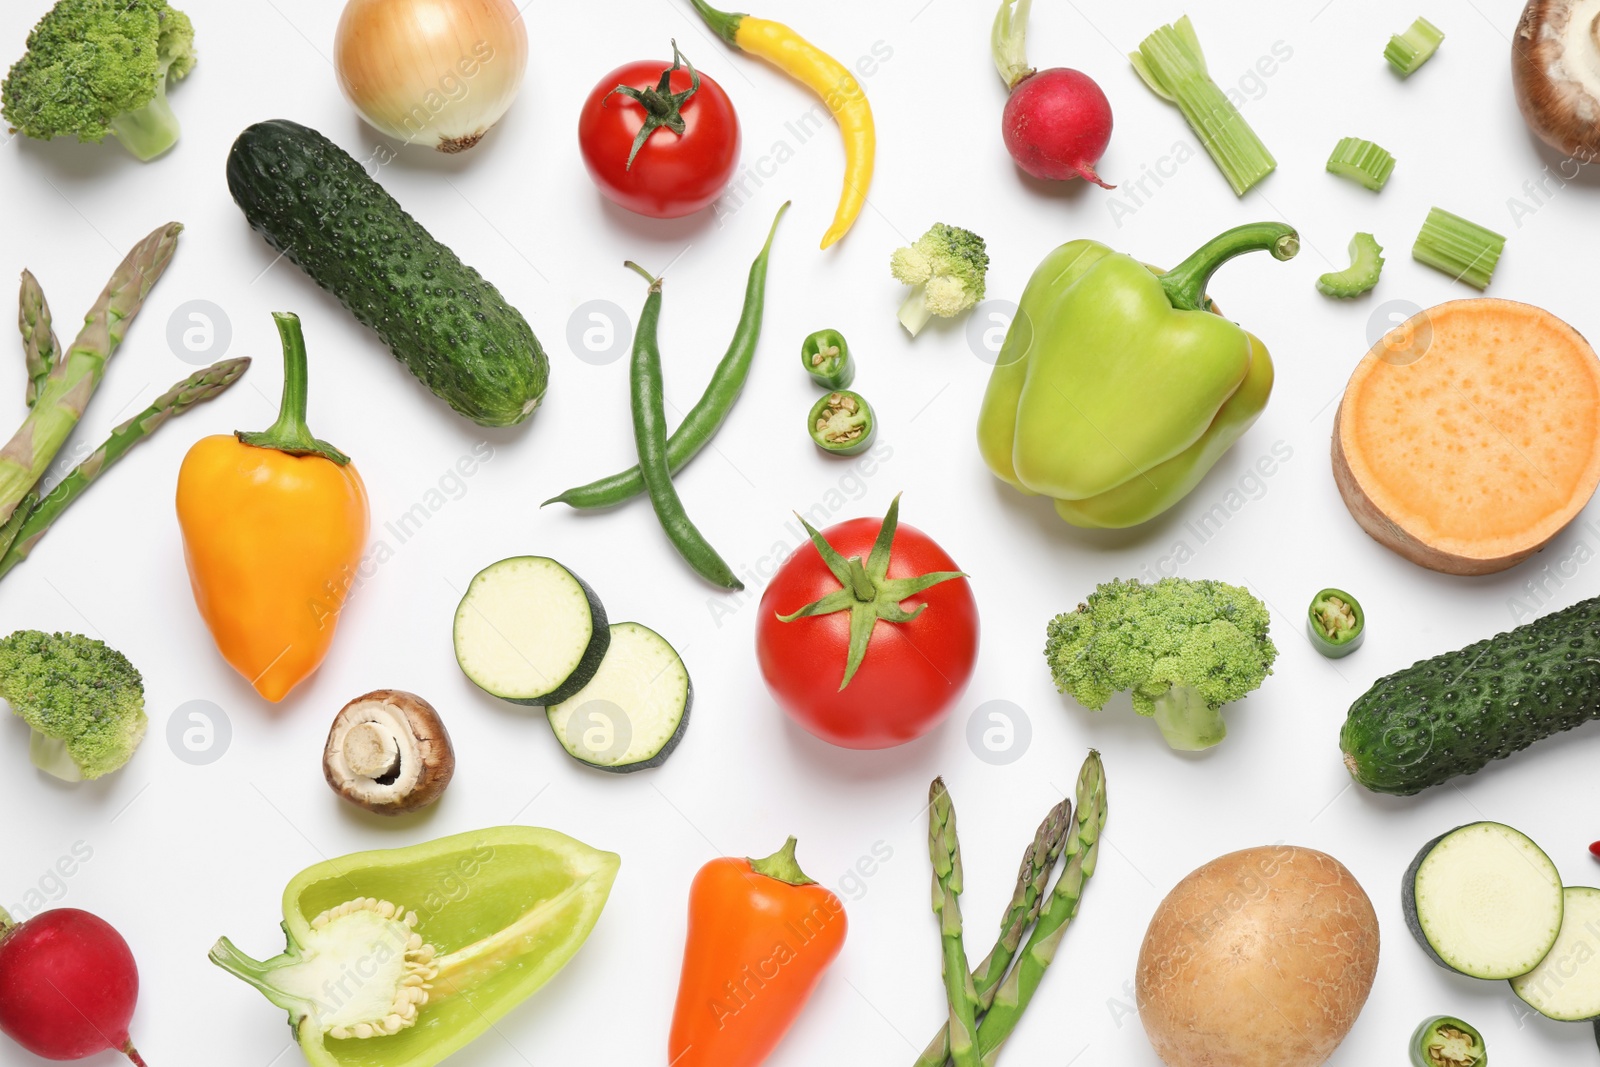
[
  {"x": 40, "y": 346},
  {"x": 72, "y": 381},
  {"x": 1033, "y": 881},
  {"x": 945, "y": 851},
  {"x": 1082, "y": 850},
  {"x": 13, "y": 526},
  {"x": 27, "y": 527}
]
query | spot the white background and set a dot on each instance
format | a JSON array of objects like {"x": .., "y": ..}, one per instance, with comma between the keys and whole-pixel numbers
[{"x": 182, "y": 853}]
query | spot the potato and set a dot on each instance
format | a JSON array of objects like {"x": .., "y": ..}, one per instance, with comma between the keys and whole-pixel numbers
[{"x": 1262, "y": 958}]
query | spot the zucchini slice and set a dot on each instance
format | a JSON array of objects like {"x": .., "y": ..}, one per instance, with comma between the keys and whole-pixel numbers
[
  {"x": 1566, "y": 985},
  {"x": 634, "y": 711},
  {"x": 1484, "y": 901},
  {"x": 530, "y": 631}
]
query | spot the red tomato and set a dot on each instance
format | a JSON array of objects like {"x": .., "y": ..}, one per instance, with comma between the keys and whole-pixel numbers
[
  {"x": 673, "y": 175},
  {"x": 913, "y": 673}
]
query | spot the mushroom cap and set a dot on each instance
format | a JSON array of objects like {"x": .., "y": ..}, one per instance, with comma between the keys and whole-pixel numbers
[
  {"x": 1555, "y": 68},
  {"x": 388, "y": 752}
]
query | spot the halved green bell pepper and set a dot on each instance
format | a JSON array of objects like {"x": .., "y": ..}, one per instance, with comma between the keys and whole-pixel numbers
[
  {"x": 400, "y": 957},
  {"x": 1118, "y": 387}
]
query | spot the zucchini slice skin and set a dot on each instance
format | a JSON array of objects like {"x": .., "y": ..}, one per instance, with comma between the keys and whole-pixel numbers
[
  {"x": 669, "y": 691},
  {"x": 1426, "y": 908},
  {"x": 1566, "y": 984},
  {"x": 470, "y": 617}
]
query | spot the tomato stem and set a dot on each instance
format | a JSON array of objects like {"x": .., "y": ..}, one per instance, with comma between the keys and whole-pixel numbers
[
  {"x": 861, "y": 582},
  {"x": 662, "y": 106}
]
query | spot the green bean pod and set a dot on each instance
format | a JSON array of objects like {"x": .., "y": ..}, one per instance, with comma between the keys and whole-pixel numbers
[
  {"x": 709, "y": 412},
  {"x": 646, "y": 398}
]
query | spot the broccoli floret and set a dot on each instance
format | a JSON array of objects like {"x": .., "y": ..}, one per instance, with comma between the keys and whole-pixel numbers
[
  {"x": 82, "y": 698},
  {"x": 101, "y": 67},
  {"x": 946, "y": 269},
  {"x": 1184, "y": 648}
]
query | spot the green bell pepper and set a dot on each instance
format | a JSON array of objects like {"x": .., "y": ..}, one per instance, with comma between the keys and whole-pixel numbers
[
  {"x": 826, "y": 357},
  {"x": 400, "y": 957},
  {"x": 1119, "y": 386}
]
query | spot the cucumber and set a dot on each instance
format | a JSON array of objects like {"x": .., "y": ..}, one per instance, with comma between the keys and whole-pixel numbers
[
  {"x": 634, "y": 711},
  {"x": 530, "y": 631},
  {"x": 1484, "y": 901},
  {"x": 1454, "y": 714},
  {"x": 318, "y": 206},
  {"x": 1566, "y": 985}
]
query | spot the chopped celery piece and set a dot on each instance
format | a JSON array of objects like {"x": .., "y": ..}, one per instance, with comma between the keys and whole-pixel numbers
[
  {"x": 1464, "y": 250},
  {"x": 1172, "y": 65},
  {"x": 1408, "y": 51},
  {"x": 1362, "y": 162},
  {"x": 1366, "y": 263}
]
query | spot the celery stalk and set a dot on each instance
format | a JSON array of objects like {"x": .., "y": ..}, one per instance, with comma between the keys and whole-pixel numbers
[
  {"x": 1173, "y": 66},
  {"x": 1464, "y": 250},
  {"x": 1362, "y": 162},
  {"x": 1408, "y": 51}
]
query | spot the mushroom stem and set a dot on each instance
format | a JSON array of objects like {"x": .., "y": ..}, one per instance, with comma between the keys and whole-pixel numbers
[{"x": 372, "y": 751}]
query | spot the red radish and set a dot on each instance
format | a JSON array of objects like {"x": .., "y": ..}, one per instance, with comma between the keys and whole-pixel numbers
[
  {"x": 1057, "y": 122},
  {"x": 68, "y": 985}
]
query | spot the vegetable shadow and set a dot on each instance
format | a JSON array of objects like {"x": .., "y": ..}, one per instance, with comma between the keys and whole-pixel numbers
[
  {"x": 77, "y": 162},
  {"x": 847, "y": 766},
  {"x": 1069, "y": 191},
  {"x": 1564, "y": 169},
  {"x": 1040, "y": 512}
]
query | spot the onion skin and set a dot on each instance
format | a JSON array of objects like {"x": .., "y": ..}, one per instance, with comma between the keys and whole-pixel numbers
[
  {"x": 1553, "y": 108},
  {"x": 431, "y": 72},
  {"x": 1262, "y": 958}
]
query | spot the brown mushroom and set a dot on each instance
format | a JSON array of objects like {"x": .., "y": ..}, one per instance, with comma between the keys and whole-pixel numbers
[
  {"x": 388, "y": 752},
  {"x": 1555, "y": 67}
]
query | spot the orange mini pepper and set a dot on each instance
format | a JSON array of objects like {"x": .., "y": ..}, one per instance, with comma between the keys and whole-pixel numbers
[
  {"x": 274, "y": 524},
  {"x": 761, "y": 934}
]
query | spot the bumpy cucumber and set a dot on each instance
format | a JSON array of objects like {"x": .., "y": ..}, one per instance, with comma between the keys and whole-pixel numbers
[
  {"x": 1454, "y": 714},
  {"x": 318, "y": 206}
]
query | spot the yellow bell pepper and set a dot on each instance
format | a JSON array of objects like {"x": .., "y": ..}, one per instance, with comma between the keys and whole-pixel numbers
[{"x": 274, "y": 524}]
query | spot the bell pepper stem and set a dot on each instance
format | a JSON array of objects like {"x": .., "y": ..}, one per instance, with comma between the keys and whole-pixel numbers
[
  {"x": 724, "y": 23},
  {"x": 1186, "y": 283},
  {"x": 290, "y": 433},
  {"x": 783, "y": 866}
]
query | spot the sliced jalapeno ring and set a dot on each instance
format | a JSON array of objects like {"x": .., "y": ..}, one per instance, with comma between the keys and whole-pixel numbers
[
  {"x": 826, "y": 357},
  {"x": 842, "y": 423},
  {"x": 1444, "y": 1041},
  {"x": 1335, "y": 623}
]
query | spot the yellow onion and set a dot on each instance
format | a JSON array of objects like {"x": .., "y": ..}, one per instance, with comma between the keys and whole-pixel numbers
[{"x": 431, "y": 72}]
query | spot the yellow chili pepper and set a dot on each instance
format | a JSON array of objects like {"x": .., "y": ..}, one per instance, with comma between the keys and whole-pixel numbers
[
  {"x": 823, "y": 75},
  {"x": 274, "y": 524}
]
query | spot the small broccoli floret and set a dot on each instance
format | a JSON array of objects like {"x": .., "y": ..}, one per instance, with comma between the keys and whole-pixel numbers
[
  {"x": 1182, "y": 647},
  {"x": 101, "y": 67},
  {"x": 82, "y": 698},
  {"x": 946, "y": 269}
]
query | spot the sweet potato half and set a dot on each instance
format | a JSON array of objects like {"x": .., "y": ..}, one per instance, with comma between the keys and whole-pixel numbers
[{"x": 1470, "y": 435}]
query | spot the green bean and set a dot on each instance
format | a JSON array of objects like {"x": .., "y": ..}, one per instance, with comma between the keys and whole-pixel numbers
[
  {"x": 709, "y": 413},
  {"x": 645, "y": 396}
]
